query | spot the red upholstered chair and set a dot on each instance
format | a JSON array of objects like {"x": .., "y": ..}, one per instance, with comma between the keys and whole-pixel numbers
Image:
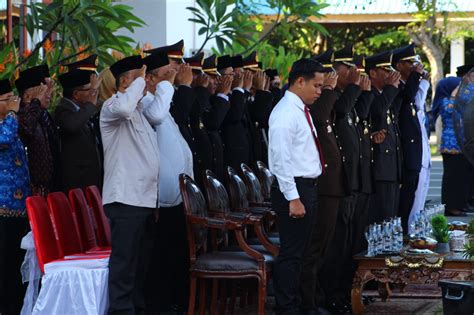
[
  {"x": 85, "y": 221},
  {"x": 102, "y": 227}
]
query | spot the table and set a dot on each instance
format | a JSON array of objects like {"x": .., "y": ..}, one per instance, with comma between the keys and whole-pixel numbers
[{"x": 403, "y": 270}]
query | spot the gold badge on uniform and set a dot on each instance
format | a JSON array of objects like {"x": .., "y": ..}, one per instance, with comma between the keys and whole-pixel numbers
[
  {"x": 366, "y": 131},
  {"x": 413, "y": 111},
  {"x": 388, "y": 120}
]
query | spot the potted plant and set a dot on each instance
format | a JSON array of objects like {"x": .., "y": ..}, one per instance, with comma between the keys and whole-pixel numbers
[
  {"x": 440, "y": 229},
  {"x": 469, "y": 247}
]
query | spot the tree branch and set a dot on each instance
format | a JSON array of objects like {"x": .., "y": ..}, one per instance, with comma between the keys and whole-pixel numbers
[{"x": 40, "y": 44}]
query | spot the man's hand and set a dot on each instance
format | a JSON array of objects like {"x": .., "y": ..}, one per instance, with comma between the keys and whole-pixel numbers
[
  {"x": 201, "y": 80},
  {"x": 353, "y": 77},
  {"x": 426, "y": 75},
  {"x": 142, "y": 72},
  {"x": 13, "y": 104},
  {"x": 95, "y": 82},
  {"x": 39, "y": 92},
  {"x": 267, "y": 83},
  {"x": 184, "y": 75},
  {"x": 330, "y": 80},
  {"x": 259, "y": 80},
  {"x": 167, "y": 73},
  {"x": 238, "y": 80},
  {"x": 224, "y": 84},
  {"x": 365, "y": 84},
  {"x": 393, "y": 78},
  {"x": 248, "y": 79},
  {"x": 379, "y": 136},
  {"x": 418, "y": 68},
  {"x": 297, "y": 209}
]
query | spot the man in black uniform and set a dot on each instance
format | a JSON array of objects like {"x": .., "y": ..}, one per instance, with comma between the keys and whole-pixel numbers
[
  {"x": 339, "y": 260},
  {"x": 80, "y": 158},
  {"x": 385, "y": 83},
  {"x": 218, "y": 88},
  {"x": 333, "y": 186},
  {"x": 405, "y": 61}
]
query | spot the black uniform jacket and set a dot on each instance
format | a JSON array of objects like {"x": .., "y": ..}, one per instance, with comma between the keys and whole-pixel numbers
[{"x": 80, "y": 147}]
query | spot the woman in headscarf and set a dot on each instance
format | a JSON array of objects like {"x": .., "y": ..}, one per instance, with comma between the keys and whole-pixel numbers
[
  {"x": 14, "y": 188},
  {"x": 457, "y": 173}
]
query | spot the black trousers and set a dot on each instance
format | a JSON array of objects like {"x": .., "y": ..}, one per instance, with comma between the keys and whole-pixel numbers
[
  {"x": 295, "y": 234},
  {"x": 407, "y": 195},
  {"x": 130, "y": 226},
  {"x": 12, "y": 290},
  {"x": 312, "y": 293},
  {"x": 360, "y": 221},
  {"x": 168, "y": 278},
  {"x": 383, "y": 204},
  {"x": 337, "y": 267},
  {"x": 457, "y": 179}
]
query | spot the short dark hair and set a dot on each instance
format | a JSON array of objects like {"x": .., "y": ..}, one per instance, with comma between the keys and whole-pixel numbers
[{"x": 305, "y": 68}]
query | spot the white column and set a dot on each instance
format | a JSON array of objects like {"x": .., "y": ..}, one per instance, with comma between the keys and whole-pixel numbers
[{"x": 457, "y": 54}]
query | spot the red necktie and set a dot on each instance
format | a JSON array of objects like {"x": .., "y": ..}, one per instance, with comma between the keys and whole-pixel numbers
[{"x": 316, "y": 140}]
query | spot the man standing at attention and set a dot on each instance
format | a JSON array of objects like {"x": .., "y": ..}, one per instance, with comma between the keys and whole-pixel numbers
[
  {"x": 130, "y": 190},
  {"x": 295, "y": 159}
]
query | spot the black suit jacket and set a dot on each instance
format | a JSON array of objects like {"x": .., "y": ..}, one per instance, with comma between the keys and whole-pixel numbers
[
  {"x": 362, "y": 108},
  {"x": 235, "y": 133},
  {"x": 213, "y": 119},
  {"x": 333, "y": 181},
  {"x": 80, "y": 157},
  {"x": 410, "y": 129},
  {"x": 259, "y": 110},
  {"x": 347, "y": 132},
  {"x": 183, "y": 100},
  {"x": 385, "y": 167}
]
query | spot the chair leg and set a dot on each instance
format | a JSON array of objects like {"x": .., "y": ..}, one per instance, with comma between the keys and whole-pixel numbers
[
  {"x": 243, "y": 293},
  {"x": 251, "y": 292},
  {"x": 262, "y": 294},
  {"x": 202, "y": 297},
  {"x": 215, "y": 288},
  {"x": 233, "y": 297},
  {"x": 192, "y": 296},
  {"x": 223, "y": 299}
]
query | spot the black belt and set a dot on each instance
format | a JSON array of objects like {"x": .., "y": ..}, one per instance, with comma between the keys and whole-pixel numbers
[{"x": 306, "y": 181}]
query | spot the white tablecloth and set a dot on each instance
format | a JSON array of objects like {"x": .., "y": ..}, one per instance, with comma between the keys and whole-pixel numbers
[{"x": 77, "y": 291}]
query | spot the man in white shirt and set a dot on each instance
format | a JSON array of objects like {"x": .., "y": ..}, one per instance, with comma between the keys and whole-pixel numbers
[
  {"x": 167, "y": 279},
  {"x": 424, "y": 176},
  {"x": 294, "y": 158},
  {"x": 130, "y": 183}
]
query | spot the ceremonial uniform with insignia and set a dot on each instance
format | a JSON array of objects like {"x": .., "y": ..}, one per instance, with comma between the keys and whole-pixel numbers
[
  {"x": 410, "y": 129},
  {"x": 385, "y": 168},
  {"x": 80, "y": 146}
]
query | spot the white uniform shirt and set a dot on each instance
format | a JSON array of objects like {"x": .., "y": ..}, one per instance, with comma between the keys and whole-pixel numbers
[
  {"x": 420, "y": 98},
  {"x": 174, "y": 154},
  {"x": 292, "y": 151},
  {"x": 130, "y": 150}
]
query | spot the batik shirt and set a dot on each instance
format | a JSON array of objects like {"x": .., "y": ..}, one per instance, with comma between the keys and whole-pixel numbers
[{"x": 14, "y": 177}]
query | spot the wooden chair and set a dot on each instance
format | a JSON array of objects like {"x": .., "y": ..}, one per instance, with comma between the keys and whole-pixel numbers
[
  {"x": 254, "y": 188},
  {"x": 266, "y": 179},
  {"x": 247, "y": 263}
]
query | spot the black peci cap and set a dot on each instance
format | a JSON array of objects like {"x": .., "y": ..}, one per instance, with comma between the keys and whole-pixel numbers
[
  {"x": 463, "y": 70},
  {"x": 326, "y": 58},
  {"x": 251, "y": 61},
  {"x": 224, "y": 62},
  {"x": 174, "y": 51},
  {"x": 237, "y": 61},
  {"x": 271, "y": 73},
  {"x": 155, "y": 60},
  {"x": 32, "y": 77},
  {"x": 406, "y": 53},
  {"x": 345, "y": 56},
  {"x": 126, "y": 64},
  {"x": 75, "y": 78},
  {"x": 90, "y": 63},
  {"x": 209, "y": 65},
  {"x": 5, "y": 86},
  {"x": 382, "y": 60},
  {"x": 195, "y": 62}
]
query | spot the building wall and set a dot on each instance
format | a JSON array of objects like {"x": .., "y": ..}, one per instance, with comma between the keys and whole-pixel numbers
[{"x": 167, "y": 22}]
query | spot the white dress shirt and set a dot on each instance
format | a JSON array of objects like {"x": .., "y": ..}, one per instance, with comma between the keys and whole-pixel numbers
[
  {"x": 292, "y": 151},
  {"x": 130, "y": 150},
  {"x": 174, "y": 153},
  {"x": 420, "y": 98}
]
